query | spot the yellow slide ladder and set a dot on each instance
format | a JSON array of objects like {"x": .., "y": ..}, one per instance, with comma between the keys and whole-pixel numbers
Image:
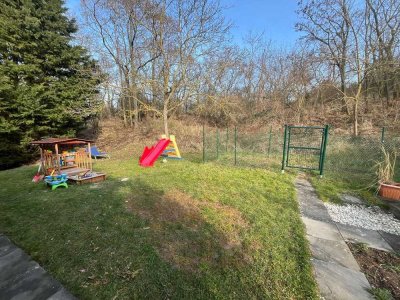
[{"x": 172, "y": 150}]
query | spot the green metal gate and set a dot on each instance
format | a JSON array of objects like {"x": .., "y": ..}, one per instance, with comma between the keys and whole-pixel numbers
[{"x": 304, "y": 147}]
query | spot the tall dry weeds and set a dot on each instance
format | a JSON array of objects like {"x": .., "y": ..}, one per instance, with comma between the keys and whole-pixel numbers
[{"x": 385, "y": 169}]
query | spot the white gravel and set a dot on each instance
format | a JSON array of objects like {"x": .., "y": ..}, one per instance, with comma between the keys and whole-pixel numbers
[{"x": 372, "y": 217}]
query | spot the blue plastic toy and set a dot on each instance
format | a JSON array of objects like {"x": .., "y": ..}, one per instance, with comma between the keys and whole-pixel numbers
[{"x": 56, "y": 181}]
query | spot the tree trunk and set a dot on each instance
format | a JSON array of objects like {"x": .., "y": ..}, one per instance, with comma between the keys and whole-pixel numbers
[
  {"x": 130, "y": 112},
  {"x": 166, "y": 96},
  {"x": 366, "y": 94},
  {"x": 135, "y": 109},
  {"x": 133, "y": 99},
  {"x": 165, "y": 118},
  {"x": 299, "y": 108},
  {"x": 153, "y": 84},
  {"x": 386, "y": 87},
  {"x": 342, "y": 71},
  {"x": 355, "y": 118},
  {"x": 133, "y": 75},
  {"x": 122, "y": 96}
]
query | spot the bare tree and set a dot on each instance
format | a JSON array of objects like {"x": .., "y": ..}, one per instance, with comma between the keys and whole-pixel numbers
[
  {"x": 171, "y": 57},
  {"x": 124, "y": 34},
  {"x": 383, "y": 19},
  {"x": 187, "y": 32},
  {"x": 157, "y": 47},
  {"x": 326, "y": 24}
]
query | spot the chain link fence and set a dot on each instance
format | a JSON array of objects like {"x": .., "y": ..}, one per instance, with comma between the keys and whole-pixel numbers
[
  {"x": 350, "y": 154},
  {"x": 263, "y": 148},
  {"x": 233, "y": 146}
]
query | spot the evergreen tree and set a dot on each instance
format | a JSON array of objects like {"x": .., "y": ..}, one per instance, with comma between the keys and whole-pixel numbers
[{"x": 48, "y": 86}]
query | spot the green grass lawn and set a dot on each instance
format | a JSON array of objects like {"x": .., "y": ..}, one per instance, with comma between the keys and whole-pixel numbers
[
  {"x": 177, "y": 230},
  {"x": 329, "y": 188},
  {"x": 350, "y": 167},
  {"x": 333, "y": 184},
  {"x": 363, "y": 184}
]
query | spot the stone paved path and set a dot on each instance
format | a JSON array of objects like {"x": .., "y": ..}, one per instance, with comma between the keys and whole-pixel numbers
[
  {"x": 336, "y": 271},
  {"x": 21, "y": 278}
]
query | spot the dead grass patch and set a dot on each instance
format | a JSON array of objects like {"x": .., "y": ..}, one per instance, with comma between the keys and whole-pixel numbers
[
  {"x": 189, "y": 233},
  {"x": 114, "y": 136}
]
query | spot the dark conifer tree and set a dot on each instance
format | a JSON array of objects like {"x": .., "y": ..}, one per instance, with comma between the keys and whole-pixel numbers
[{"x": 48, "y": 85}]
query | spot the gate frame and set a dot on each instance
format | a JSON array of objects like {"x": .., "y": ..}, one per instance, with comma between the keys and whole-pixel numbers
[{"x": 322, "y": 149}]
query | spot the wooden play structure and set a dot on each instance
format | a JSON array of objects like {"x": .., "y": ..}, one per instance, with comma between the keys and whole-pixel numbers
[{"x": 70, "y": 156}]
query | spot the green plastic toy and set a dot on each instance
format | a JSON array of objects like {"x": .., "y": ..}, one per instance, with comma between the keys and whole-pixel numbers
[{"x": 56, "y": 181}]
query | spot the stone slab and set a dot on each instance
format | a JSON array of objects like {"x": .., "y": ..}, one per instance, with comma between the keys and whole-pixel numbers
[
  {"x": 5, "y": 246},
  {"x": 13, "y": 264},
  {"x": 392, "y": 239},
  {"x": 4, "y": 240},
  {"x": 351, "y": 199},
  {"x": 35, "y": 284},
  {"x": 62, "y": 294},
  {"x": 371, "y": 238},
  {"x": 21, "y": 278},
  {"x": 333, "y": 252},
  {"x": 322, "y": 230},
  {"x": 394, "y": 207},
  {"x": 337, "y": 282},
  {"x": 310, "y": 206}
]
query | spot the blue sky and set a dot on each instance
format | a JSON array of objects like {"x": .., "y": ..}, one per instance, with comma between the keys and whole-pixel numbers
[{"x": 275, "y": 18}]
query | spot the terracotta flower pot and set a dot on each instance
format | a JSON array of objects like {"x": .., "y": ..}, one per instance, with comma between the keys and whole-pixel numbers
[{"x": 390, "y": 191}]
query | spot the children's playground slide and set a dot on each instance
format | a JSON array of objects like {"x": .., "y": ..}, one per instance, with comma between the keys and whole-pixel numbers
[{"x": 150, "y": 155}]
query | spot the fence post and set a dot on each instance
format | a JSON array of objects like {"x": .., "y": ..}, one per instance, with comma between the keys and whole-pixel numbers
[
  {"x": 235, "y": 143},
  {"x": 227, "y": 138},
  {"x": 204, "y": 147},
  {"x": 269, "y": 141},
  {"x": 217, "y": 141},
  {"x": 383, "y": 135},
  {"x": 326, "y": 133},
  {"x": 284, "y": 149},
  {"x": 288, "y": 145}
]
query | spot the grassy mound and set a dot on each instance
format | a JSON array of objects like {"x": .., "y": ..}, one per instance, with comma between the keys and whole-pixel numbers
[{"x": 178, "y": 230}]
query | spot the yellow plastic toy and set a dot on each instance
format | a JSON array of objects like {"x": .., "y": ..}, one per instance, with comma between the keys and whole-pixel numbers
[{"x": 172, "y": 150}]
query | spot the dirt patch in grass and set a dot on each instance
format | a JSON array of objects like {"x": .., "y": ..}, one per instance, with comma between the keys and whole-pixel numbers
[
  {"x": 192, "y": 234},
  {"x": 381, "y": 268}
]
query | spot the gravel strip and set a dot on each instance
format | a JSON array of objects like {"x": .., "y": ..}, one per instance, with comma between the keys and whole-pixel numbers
[{"x": 372, "y": 217}]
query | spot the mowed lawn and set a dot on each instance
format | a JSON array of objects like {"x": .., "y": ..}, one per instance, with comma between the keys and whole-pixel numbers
[{"x": 179, "y": 230}]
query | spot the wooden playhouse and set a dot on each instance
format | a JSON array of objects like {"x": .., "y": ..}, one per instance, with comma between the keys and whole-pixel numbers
[{"x": 71, "y": 156}]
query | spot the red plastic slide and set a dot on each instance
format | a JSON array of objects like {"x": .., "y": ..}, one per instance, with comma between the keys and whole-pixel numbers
[{"x": 150, "y": 155}]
